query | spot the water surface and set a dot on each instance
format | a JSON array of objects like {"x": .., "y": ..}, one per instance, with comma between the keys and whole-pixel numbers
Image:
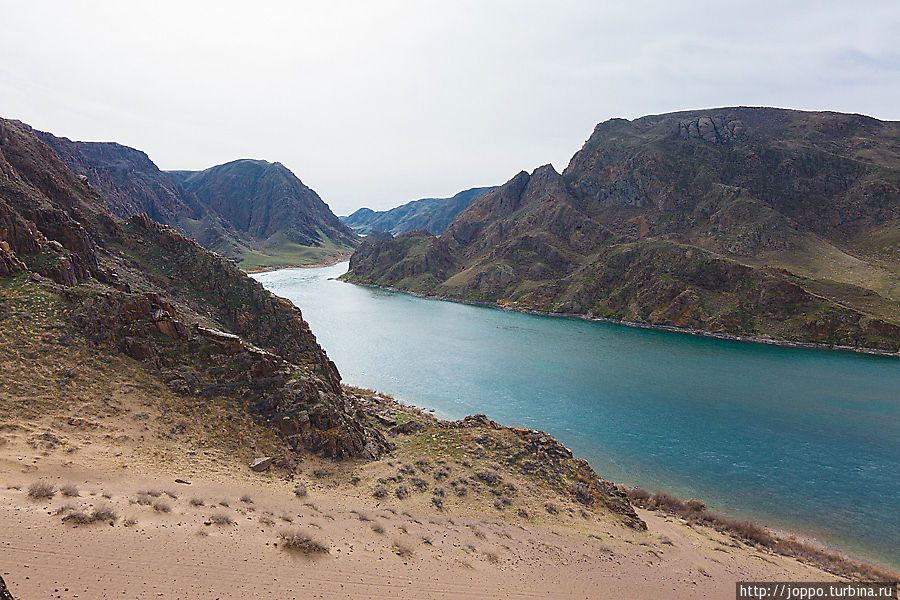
[{"x": 798, "y": 438}]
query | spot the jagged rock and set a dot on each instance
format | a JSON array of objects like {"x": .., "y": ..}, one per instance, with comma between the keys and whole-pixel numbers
[
  {"x": 4, "y": 592},
  {"x": 261, "y": 464},
  {"x": 383, "y": 419}
]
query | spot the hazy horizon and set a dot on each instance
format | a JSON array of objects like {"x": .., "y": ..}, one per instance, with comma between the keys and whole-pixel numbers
[{"x": 376, "y": 105}]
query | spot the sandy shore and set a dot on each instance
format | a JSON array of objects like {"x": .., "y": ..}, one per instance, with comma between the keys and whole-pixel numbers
[{"x": 163, "y": 542}]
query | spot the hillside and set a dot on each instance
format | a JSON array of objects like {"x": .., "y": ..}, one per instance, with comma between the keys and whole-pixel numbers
[
  {"x": 161, "y": 410},
  {"x": 743, "y": 221},
  {"x": 268, "y": 204},
  {"x": 430, "y": 214},
  {"x": 291, "y": 224}
]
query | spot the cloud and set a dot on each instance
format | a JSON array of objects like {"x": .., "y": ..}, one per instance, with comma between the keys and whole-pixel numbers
[{"x": 379, "y": 103}]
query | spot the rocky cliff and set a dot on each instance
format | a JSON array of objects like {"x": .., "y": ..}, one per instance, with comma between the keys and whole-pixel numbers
[
  {"x": 748, "y": 221},
  {"x": 187, "y": 315}
]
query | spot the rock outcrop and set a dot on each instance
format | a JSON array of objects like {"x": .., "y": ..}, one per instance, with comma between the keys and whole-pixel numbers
[{"x": 716, "y": 221}]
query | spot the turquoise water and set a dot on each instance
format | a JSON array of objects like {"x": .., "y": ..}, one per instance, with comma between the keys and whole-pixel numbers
[{"x": 802, "y": 439}]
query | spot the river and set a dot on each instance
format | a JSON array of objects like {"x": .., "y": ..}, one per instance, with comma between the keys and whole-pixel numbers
[{"x": 802, "y": 439}]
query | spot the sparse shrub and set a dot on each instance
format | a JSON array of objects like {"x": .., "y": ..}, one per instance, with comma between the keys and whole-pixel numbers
[
  {"x": 196, "y": 502},
  {"x": 162, "y": 506},
  {"x": 69, "y": 490},
  {"x": 41, "y": 490},
  {"x": 78, "y": 517},
  {"x": 401, "y": 492},
  {"x": 153, "y": 493},
  {"x": 666, "y": 502},
  {"x": 638, "y": 495},
  {"x": 221, "y": 519},
  {"x": 301, "y": 542},
  {"x": 287, "y": 518},
  {"x": 246, "y": 499},
  {"x": 498, "y": 504},
  {"x": 419, "y": 483},
  {"x": 551, "y": 508},
  {"x": 491, "y": 558},
  {"x": 363, "y": 517},
  {"x": 129, "y": 522},
  {"x": 104, "y": 513},
  {"x": 377, "y": 528},
  {"x": 143, "y": 499},
  {"x": 300, "y": 490},
  {"x": 694, "y": 506},
  {"x": 321, "y": 473},
  {"x": 401, "y": 549},
  {"x": 489, "y": 477},
  {"x": 266, "y": 520},
  {"x": 438, "y": 503},
  {"x": 523, "y": 513}
]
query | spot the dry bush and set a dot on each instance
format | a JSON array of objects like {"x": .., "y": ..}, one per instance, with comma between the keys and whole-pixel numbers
[
  {"x": 401, "y": 549},
  {"x": 668, "y": 502},
  {"x": 129, "y": 522},
  {"x": 287, "y": 518},
  {"x": 377, "y": 528},
  {"x": 143, "y": 499},
  {"x": 267, "y": 520},
  {"x": 221, "y": 519},
  {"x": 583, "y": 493},
  {"x": 104, "y": 513},
  {"x": 363, "y": 516},
  {"x": 78, "y": 517},
  {"x": 162, "y": 506},
  {"x": 301, "y": 542},
  {"x": 153, "y": 493},
  {"x": 638, "y": 495},
  {"x": 401, "y": 492},
  {"x": 69, "y": 490},
  {"x": 246, "y": 499},
  {"x": 695, "y": 506},
  {"x": 41, "y": 490},
  {"x": 380, "y": 492},
  {"x": 300, "y": 490},
  {"x": 196, "y": 502},
  {"x": 489, "y": 477}
]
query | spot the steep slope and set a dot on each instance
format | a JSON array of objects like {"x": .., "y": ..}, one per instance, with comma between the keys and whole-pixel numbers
[
  {"x": 746, "y": 221},
  {"x": 186, "y": 315},
  {"x": 267, "y": 203},
  {"x": 430, "y": 214},
  {"x": 131, "y": 184}
]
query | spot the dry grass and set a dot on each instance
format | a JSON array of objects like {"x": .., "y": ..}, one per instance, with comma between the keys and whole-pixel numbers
[
  {"x": 298, "y": 541},
  {"x": 69, "y": 490},
  {"x": 221, "y": 519},
  {"x": 101, "y": 514},
  {"x": 694, "y": 511},
  {"x": 401, "y": 549},
  {"x": 41, "y": 490}
]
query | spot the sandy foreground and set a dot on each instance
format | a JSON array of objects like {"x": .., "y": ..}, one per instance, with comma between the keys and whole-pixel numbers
[{"x": 164, "y": 545}]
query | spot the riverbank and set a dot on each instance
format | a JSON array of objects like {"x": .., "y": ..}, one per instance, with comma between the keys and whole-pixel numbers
[
  {"x": 267, "y": 269},
  {"x": 425, "y": 521},
  {"x": 696, "y": 332}
]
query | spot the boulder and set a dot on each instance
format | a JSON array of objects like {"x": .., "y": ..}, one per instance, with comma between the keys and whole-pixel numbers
[{"x": 261, "y": 464}]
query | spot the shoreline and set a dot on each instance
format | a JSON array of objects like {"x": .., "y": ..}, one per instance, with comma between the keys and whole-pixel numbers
[
  {"x": 283, "y": 267},
  {"x": 670, "y": 328},
  {"x": 729, "y": 522}
]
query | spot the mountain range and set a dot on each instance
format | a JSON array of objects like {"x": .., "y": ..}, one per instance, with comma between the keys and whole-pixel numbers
[
  {"x": 431, "y": 214},
  {"x": 255, "y": 212},
  {"x": 757, "y": 222}
]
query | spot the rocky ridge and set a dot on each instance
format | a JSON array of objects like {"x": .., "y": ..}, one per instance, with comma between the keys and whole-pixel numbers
[{"x": 748, "y": 222}]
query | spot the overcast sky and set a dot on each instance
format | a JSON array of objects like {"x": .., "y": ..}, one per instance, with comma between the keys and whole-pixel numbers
[{"x": 378, "y": 103}]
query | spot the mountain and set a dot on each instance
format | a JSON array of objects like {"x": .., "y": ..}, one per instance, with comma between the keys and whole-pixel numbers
[
  {"x": 140, "y": 289},
  {"x": 431, "y": 214},
  {"x": 291, "y": 225},
  {"x": 268, "y": 204},
  {"x": 747, "y": 221}
]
